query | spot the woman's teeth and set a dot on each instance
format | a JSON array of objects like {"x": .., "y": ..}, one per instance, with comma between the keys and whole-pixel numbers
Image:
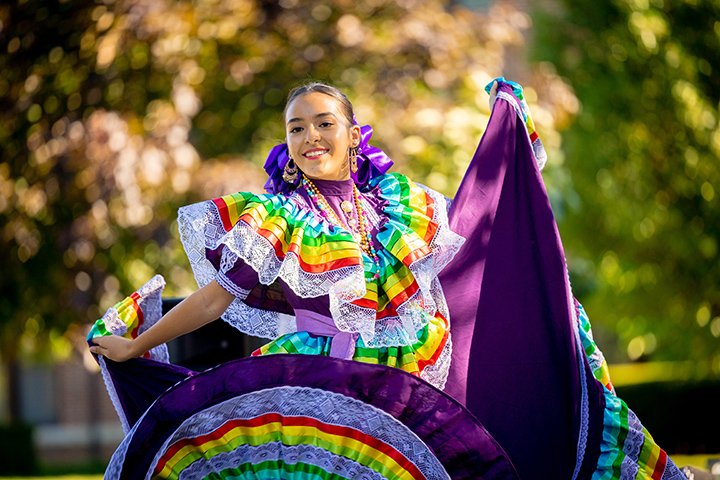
[{"x": 315, "y": 153}]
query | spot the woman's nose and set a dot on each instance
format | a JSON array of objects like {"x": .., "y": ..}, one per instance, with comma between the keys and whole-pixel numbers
[{"x": 312, "y": 134}]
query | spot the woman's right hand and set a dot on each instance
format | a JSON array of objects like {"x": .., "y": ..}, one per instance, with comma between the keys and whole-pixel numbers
[
  {"x": 493, "y": 95},
  {"x": 118, "y": 349}
]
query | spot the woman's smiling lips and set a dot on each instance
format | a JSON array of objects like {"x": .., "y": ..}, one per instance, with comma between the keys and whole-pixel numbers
[{"x": 315, "y": 153}]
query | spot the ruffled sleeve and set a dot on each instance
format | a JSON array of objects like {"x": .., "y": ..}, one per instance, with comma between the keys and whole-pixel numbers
[
  {"x": 133, "y": 315},
  {"x": 282, "y": 239},
  {"x": 278, "y": 238},
  {"x": 129, "y": 318}
]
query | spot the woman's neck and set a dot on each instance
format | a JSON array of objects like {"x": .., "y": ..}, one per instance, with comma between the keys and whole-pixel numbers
[{"x": 334, "y": 187}]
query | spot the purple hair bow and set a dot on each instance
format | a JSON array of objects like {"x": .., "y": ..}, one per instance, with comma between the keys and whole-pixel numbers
[{"x": 371, "y": 162}]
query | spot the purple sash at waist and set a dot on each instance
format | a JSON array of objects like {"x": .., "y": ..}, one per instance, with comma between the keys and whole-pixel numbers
[{"x": 342, "y": 343}]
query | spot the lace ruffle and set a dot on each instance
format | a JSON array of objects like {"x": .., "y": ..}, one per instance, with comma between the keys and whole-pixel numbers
[
  {"x": 320, "y": 407},
  {"x": 133, "y": 315},
  {"x": 517, "y": 100},
  {"x": 627, "y": 450},
  {"x": 129, "y": 318},
  {"x": 437, "y": 373},
  {"x": 280, "y": 237}
]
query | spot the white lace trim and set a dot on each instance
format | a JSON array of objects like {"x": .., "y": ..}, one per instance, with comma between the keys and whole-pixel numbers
[
  {"x": 150, "y": 302},
  {"x": 328, "y": 407},
  {"x": 538, "y": 149},
  {"x": 416, "y": 312},
  {"x": 112, "y": 393},
  {"x": 201, "y": 228},
  {"x": 261, "y": 323},
  {"x": 672, "y": 472},
  {"x": 584, "y": 401},
  {"x": 289, "y": 455},
  {"x": 115, "y": 465},
  {"x": 231, "y": 287},
  {"x": 632, "y": 445},
  {"x": 437, "y": 373}
]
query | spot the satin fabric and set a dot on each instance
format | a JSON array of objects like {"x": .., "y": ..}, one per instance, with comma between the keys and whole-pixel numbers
[
  {"x": 461, "y": 443},
  {"x": 515, "y": 362}
]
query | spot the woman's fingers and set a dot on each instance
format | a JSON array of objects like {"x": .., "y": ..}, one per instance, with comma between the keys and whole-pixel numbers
[
  {"x": 113, "y": 347},
  {"x": 98, "y": 347}
]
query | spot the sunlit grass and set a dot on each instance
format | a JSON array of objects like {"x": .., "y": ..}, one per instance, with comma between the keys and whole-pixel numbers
[
  {"x": 647, "y": 372},
  {"x": 58, "y": 477},
  {"x": 700, "y": 461}
]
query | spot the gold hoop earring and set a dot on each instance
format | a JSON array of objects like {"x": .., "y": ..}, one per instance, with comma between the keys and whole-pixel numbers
[
  {"x": 352, "y": 156},
  {"x": 290, "y": 172}
]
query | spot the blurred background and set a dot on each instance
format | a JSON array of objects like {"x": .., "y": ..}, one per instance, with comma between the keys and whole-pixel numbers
[{"x": 114, "y": 113}]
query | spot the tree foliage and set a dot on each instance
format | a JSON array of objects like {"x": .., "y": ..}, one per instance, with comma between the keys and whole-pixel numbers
[
  {"x": 115, "y": 113},
  {"x": 644, "y": 158}
]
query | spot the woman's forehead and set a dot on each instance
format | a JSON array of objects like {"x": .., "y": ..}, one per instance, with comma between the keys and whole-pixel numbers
[{"x": 310, "y": 105}]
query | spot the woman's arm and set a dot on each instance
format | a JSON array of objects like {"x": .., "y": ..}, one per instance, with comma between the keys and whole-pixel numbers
[{"x": 203, "y": 306}]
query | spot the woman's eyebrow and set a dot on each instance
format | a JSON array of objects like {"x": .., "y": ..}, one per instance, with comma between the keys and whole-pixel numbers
[{"x": 323, "y": 114}]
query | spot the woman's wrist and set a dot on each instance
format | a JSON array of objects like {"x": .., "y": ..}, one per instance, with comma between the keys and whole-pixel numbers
[{"x": 135, "y": 348}]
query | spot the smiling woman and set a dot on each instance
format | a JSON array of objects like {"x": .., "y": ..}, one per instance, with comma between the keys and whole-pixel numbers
[
  {"x": 319, "y": 137},
  {"x": 341, "y": 259}
]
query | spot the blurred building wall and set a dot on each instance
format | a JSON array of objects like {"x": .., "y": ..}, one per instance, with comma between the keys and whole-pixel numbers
[{"x": 74, "y": 420}]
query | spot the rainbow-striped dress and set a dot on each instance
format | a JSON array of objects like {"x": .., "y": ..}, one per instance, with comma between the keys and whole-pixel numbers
[
  {"x": 524, "y": 360},
  {"x": 305, "y": 283}
]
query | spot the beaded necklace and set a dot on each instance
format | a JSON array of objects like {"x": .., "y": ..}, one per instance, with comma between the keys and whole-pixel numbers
[{"x": 361, "y": 233}]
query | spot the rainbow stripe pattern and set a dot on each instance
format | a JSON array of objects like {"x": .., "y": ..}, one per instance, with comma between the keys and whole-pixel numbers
[
  {"x": 293, "y": 433},
  {"x": 282, "y": 237},
  {"x": 627, "y": 449},
  {"x": 318, "y": 246},
  {"x": 134, "y": 314},
  {"x": 321, "y": 247},
  {"x": 413, "y": 359},
  {"x": 283, "y": 430},
  {"x": 127, "y": 312},
  {"x": 523, "y": 110}
]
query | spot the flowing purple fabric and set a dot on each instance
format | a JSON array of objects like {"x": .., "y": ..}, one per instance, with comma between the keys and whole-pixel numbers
[
  {"x": 456, "y": 438},
  {"x": 516, "y": 364},
  {"x": 515, "y": 361},
  {"x": 140, "y": 381}
]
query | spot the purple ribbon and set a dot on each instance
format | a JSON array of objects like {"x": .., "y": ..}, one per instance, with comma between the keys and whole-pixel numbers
[
  {"x": 343, "y": 343},
  {"x": 371, "y": 161}
]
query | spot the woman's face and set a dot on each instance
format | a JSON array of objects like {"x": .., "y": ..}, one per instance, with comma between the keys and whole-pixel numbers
[{"x": 318, "y": 136}]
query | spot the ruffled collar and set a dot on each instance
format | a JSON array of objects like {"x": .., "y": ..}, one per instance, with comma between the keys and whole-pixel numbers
[{"x": 283, "y": 237}]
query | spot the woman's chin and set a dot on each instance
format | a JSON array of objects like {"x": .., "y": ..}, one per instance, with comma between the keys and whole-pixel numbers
[{"x": 323, "y": 175}]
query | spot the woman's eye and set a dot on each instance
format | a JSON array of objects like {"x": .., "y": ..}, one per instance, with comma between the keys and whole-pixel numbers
[
  {"x": 295, "y": 129},
  {"x": 326, "y": 124}
]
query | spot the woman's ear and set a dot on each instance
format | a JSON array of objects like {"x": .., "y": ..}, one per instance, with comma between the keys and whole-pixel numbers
[{"x": 355, "y": 135}]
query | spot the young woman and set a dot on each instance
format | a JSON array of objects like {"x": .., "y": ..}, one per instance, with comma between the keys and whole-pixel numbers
[{"x": 344, "y": 261}]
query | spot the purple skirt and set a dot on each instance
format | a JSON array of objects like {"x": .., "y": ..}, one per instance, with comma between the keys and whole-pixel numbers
[{"x": 296, "y": 417}]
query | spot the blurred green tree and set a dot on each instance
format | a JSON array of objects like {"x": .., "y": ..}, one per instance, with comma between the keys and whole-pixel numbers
[
  {"x": 116, "y": 112},
  {"x": 644, "y": 157}
]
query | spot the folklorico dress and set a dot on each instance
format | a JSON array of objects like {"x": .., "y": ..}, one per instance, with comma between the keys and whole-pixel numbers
[
  {"x": 526, "y": 391},
  {"x": 329, "y": 296}
]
